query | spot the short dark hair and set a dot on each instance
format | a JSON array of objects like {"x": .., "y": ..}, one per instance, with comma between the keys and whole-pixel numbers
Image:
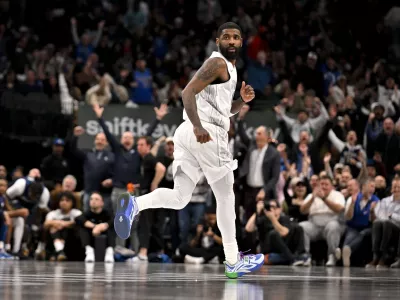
[
  {"x": 70, "y": 196},
  {"x": 148, "y": 139},
  {"x": 36, "y": 188},
  {"x": 97, "y": 193},
  {"x": 276, "y": 202},
  {"x": 228, "y": 25}
]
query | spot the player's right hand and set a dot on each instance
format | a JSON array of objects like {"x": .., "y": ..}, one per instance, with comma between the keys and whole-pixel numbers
[{"x": 202, "y": 135}]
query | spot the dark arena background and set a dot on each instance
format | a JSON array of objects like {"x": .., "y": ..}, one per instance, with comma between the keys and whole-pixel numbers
[{"x": 327, "y": 218}]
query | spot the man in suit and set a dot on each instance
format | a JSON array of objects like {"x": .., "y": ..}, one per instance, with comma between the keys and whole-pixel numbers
[{"x": 260, "y": 170}]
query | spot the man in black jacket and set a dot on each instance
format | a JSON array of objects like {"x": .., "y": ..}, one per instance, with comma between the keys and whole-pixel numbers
[
  {"x": 260, "y": 170},
  {"x": 97, "y": 166}
]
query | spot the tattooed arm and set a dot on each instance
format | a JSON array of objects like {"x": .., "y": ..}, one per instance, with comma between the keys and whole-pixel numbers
[{"x": 212, "y": 69}]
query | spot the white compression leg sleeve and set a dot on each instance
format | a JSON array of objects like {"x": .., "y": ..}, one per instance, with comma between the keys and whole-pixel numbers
[
  {"x": 225, "y": 197},
  {"x": 177, "y": 198},
  {"x": 18, "y": 224}
]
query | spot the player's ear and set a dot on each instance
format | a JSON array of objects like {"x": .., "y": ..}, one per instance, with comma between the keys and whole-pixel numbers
[{"x": 217, "y": 41}]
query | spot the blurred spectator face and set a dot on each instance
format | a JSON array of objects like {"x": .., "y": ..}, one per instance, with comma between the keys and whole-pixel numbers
[
  {"x": 96, "y": 201},
  {"x": 58, "y": 149},
  {"x": 311, "y": 61},
  {"x": 326, "y": 186},
  {"x": 141, "y": 64},
  {"x": 351, "y": 138},
  {"x": 275, "y": 209},
  {"x": 304, "y": 137},
  {"x": 211, "y": 219},
  {"x": 18, "y": 173},
  {"x": 302, "y": 117},
  {"x": 229, "y": 43},
  {"x": 104, "y": 41},
  {"x": 300, "y": 190},
  {"x": 169, "y": 148},
  {"x": 127, "y": 140},
  {"x": 100, "y": 142},
  {"x": 346, "y": 168},
  {"x": 3, "y": 171},
  {"x": 3, "y": 186},
  {"x": 65, "y": 204},
  {"x": 388, "y": 126},
  {"x": 30, "y": 77},
  {"x": 314, "y": 181},
  {"x": 34, "y": 173},
  {"x": 85, "y": 39},
  {"x": 262, "y": 57},
  {"x": 346, "y": 177},
  {"x": 53, "y": 81},
  {"x": 142, "y": 147},
  {"x": 342, "y": 82},
  {"x": 380, "y": 182},
  {"x": 331, "y": 63},
  {"x": 338, "y": 178},
  {"x": 390, "y": 83},
  {"x": 371, "y": 171},
  {"x": 352, "y": 187},
  {"x": 261, "y": 136},
  {"x": 299, "y": 60},
  {"x": 396, "y": 188},
  {"x": 368, "y": 188},
  {"x": 69, "y": 184}
]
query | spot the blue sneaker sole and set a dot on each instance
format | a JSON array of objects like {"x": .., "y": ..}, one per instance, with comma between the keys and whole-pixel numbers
[{"x": 122, "y": 224}]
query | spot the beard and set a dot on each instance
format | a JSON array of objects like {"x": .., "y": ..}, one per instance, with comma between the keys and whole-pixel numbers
[{"x": 227, "y": 54}]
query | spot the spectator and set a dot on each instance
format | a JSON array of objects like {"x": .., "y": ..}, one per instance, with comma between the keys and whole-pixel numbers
[
  {"x": 100, "y": 93},
  {"x": 381, "y": 190},
  {"x": 300, "y": 188},
  {"x": 324, "y": 207},
  {"x": 374, "y": 127},
  {"x": 206, "y": 245},
  {"x": 27, "y": 197},
  {"x": 359, "y": 215},
  {"x": 303, "y": 123},
  {"x": 386, "y": 228},
  {"x": 55, "y": 167},
  {"x": 260, "y": 168},
  {"x": 151, "y": 221},
  {"x": 85, "y": 47},
  {"x": 97, "y": 165},
  {"x": 259, "y": 73},
  {"x": 310, "y": 77},
  {"x": 68, "y": 185},
  {"x": 5, "y": 222},
  {"x": 59, "y": 223},
  {"x": 94, "y": 223},
  {"x": 127, "y": 159},
  {"x": 192, "y": 213},
  {"x": 387, "y": 147},
  {"x": 142, "y": 84},
  {"x": 278, "y": 234},
  {"x": 3, "y": 172}
]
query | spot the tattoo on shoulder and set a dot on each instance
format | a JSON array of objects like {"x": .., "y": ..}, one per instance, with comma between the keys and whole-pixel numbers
[{"x": 210, "y": 69}]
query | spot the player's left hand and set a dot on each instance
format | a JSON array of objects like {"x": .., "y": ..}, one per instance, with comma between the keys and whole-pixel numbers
[{"x": 246, "y": 92}]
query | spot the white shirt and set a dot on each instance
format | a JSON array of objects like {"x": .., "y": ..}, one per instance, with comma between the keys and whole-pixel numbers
[
  {"x": 255, "y": 177},
  {"x": 18, "y": 188},
  {"x": 320, "y": 208},
  {"x": 214, "y": 103},
  {"x": 58, "y": 215}
]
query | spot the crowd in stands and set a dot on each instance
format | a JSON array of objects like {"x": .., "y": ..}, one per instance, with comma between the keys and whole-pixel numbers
[{"x": 326, "y": 190}]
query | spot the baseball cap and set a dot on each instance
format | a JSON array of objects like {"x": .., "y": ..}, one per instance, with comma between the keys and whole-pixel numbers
[
  {"x": 58, "y": 142},
  {"x": 312, "y": 55},
  {"x": 169, "y": 139}
]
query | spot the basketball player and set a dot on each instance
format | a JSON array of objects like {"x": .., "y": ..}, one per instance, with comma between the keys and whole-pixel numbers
[{"x": 201, "y": 146}]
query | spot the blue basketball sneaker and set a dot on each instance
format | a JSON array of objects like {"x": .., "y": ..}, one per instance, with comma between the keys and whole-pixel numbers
[
  {"x": 245, "y": 264},
  {"x": 127, "y": 210}
]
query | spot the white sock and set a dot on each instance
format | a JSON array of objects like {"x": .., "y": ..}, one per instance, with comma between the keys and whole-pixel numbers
[
  {"x": 19, "y": 224},
  {"x": 59, "y": 246},
  {"x": 41, "y": 247},
  {"x": 1, "y": 245},
  {"x": 110, "y": 251},
  {"x": 8, "y": 247}
]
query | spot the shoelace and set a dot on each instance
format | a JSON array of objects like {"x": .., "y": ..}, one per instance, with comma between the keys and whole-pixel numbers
[{"x": 242, "y": 254}]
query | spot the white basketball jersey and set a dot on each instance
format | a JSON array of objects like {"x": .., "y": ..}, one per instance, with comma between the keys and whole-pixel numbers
[{"x": 215, "y": 101}]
